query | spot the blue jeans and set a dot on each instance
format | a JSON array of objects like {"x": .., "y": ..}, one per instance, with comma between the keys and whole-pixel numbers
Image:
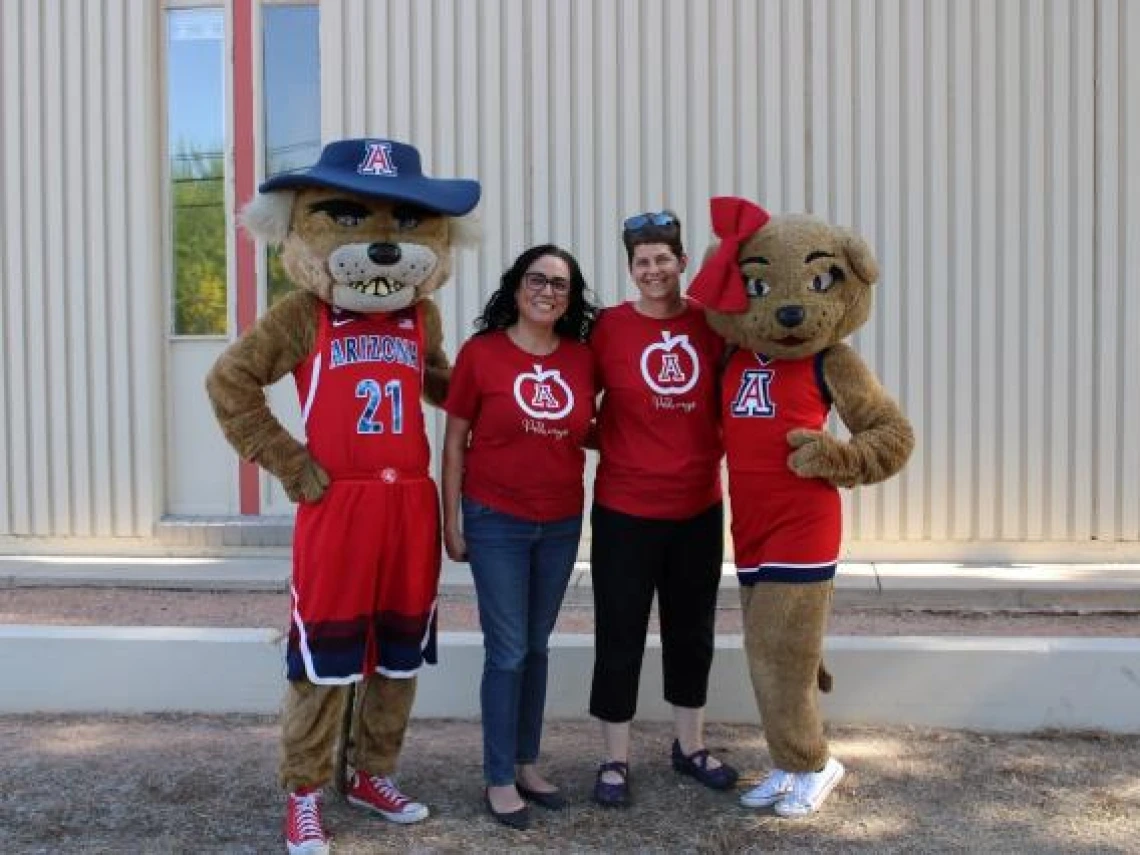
[{"x": 521, "y": 569}]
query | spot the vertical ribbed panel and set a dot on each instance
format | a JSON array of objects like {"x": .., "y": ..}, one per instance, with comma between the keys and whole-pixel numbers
[
  {"x": 987, "y": 151},
  {"x": 1117, "y": 320},
  {"x": 79, "y": 314},
  {"x": 1128, "y": 475},
  {"x": 970, "y": 142}
]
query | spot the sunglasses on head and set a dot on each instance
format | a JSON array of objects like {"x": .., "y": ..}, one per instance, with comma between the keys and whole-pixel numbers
[{"x": 640, "y": 221}]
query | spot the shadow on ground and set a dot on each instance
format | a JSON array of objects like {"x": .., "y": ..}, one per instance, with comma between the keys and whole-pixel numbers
[{"x": 181, "y": 784}]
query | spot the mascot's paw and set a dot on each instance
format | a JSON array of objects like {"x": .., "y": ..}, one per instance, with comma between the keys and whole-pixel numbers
[
  {"x": 821, "y": 455},
  {"x": 308, "y": 483}
]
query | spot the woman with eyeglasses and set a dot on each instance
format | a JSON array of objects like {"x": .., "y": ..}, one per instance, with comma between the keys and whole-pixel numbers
[
  {"x": 519, "y": 407},
  {"x": 657, "y": 520}
]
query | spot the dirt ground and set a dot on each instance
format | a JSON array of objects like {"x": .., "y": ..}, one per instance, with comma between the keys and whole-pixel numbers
[
  {"x": 182, "y": 784},
  {"x": 198, "y": 784},
  {"x": 135, "y": 607}
]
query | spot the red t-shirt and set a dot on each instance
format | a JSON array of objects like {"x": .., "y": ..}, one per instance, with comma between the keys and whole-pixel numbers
[
  {"x": 529, "y": 416},
  {"x": 658, "y": 430}
]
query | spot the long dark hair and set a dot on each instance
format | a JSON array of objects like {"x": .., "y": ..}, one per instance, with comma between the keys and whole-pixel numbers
[{"x": 502, "y": 311}]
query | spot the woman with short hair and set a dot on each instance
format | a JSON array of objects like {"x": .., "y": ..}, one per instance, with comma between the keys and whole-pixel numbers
[{"x": 657, "y": 520}]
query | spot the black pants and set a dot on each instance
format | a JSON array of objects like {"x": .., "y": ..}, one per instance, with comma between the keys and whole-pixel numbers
[{"x": 631, "y": 558}]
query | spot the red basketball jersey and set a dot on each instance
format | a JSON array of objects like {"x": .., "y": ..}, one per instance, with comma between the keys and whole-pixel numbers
[
  {"x": 360, "y": 393},
  {"x": 763, "y": 399},
  {"x": 784, "y": 528}
]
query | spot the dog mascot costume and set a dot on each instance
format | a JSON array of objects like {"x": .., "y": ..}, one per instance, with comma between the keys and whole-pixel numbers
[
  {"x": 365, "y": 237},
  {"x": 786, "y": 291}
]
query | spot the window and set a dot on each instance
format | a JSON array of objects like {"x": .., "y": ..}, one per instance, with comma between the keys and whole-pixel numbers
[
  {"x": 292, "y": 131},
  {"x": 196, "y": 158},
  {"x": 196, "y": 138}
]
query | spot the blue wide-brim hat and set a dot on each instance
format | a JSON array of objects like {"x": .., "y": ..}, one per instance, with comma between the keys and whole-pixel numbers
[{"x": 381, "y": 169}]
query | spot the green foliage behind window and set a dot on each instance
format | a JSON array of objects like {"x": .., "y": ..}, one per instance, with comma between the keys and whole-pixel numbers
[{"x": 199, "y": 244}]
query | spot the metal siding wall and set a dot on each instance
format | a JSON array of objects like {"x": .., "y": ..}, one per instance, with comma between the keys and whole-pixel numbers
[
  {"x": 968, "y": 141},
  {"x": 987, "y": 151},
  {"x": 80, "y": 295},
  {"x": 1128, "y": 472},
  {"x": 1118, "y": 323},
  {"x": 13, "y": 512}
]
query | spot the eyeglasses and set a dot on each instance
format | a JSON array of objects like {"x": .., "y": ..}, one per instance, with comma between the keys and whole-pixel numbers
[
  {"x": 640, "y": 221},
  {"x": 536, "y": 283}
]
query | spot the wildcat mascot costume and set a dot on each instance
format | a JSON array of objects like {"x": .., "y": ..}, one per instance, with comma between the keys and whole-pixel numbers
[
  {"x": 785, "y": 291},
  {"x": 366, "y": 237}
]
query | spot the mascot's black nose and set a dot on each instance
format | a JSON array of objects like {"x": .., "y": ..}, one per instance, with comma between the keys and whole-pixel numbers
[
  {"x": 384, "y": 253},
  {"x": 790, "y": 316}
]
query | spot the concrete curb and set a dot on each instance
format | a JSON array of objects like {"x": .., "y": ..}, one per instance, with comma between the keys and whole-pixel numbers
[
  {"x": 999, "y": 684},
  {"x": 1090, "y": 586},
  {"x": 138, "y": 669}
]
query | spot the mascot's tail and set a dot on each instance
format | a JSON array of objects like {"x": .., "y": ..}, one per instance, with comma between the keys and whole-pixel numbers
[{"x": 823, "y": 678}]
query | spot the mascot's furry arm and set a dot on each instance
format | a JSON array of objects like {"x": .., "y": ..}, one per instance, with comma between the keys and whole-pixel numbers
[
  {"x": 437, "y": 368},
  {"x": 265, "y": 353},
  {"x": 881, "y": 437}
]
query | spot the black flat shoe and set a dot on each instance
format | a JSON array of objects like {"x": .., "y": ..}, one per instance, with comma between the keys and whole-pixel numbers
[
  {"x": 696, "y": 765},
  {"x": 519, "y": 819},
  {"x": 613, "y": 795},
  {"x": 554, "y": 800}
]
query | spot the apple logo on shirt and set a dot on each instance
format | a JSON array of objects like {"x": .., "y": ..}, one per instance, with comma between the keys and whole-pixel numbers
[
  {"x": 670, "y": 366},
  {"x": 543, "y": 394}
]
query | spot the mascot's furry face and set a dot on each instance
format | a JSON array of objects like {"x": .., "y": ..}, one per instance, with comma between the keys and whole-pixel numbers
[
  {"x": 356, "y": 252},
  {"x": 808, "y": 285}
]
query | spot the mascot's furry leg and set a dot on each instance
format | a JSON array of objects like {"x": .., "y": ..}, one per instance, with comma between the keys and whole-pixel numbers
[
  {"x": 378, "y": 710},
  {"x": 308, "y": 731},
  {"x": 784, "y": 626},
  {"x": 382, "y": 712}
]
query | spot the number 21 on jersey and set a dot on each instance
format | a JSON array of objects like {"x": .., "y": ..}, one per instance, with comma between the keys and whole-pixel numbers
[{"x": 370, "y": 421}]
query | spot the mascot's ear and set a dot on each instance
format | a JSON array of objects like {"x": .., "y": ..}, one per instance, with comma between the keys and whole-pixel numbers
[
  {"x": 466, "y": 231},
  {"x": 859, "y": 256},
  {"x": 267, "y": 216}
]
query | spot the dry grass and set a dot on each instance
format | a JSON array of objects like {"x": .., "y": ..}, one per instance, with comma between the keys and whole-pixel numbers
[{"x": 180, "y": 784}]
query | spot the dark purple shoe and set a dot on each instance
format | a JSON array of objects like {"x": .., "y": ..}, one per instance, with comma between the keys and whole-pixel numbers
[
  {"x": 696, "y": 765},
  {"x": 613, "y": 795}
]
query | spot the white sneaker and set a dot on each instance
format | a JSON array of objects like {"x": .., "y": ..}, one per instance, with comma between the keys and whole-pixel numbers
[
  {"x": 769, "y": 791},
  {"x": 810, "y": 790}
]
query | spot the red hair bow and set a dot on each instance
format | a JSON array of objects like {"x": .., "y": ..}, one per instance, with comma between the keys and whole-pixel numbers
[{"x": 719, "y": 285}]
